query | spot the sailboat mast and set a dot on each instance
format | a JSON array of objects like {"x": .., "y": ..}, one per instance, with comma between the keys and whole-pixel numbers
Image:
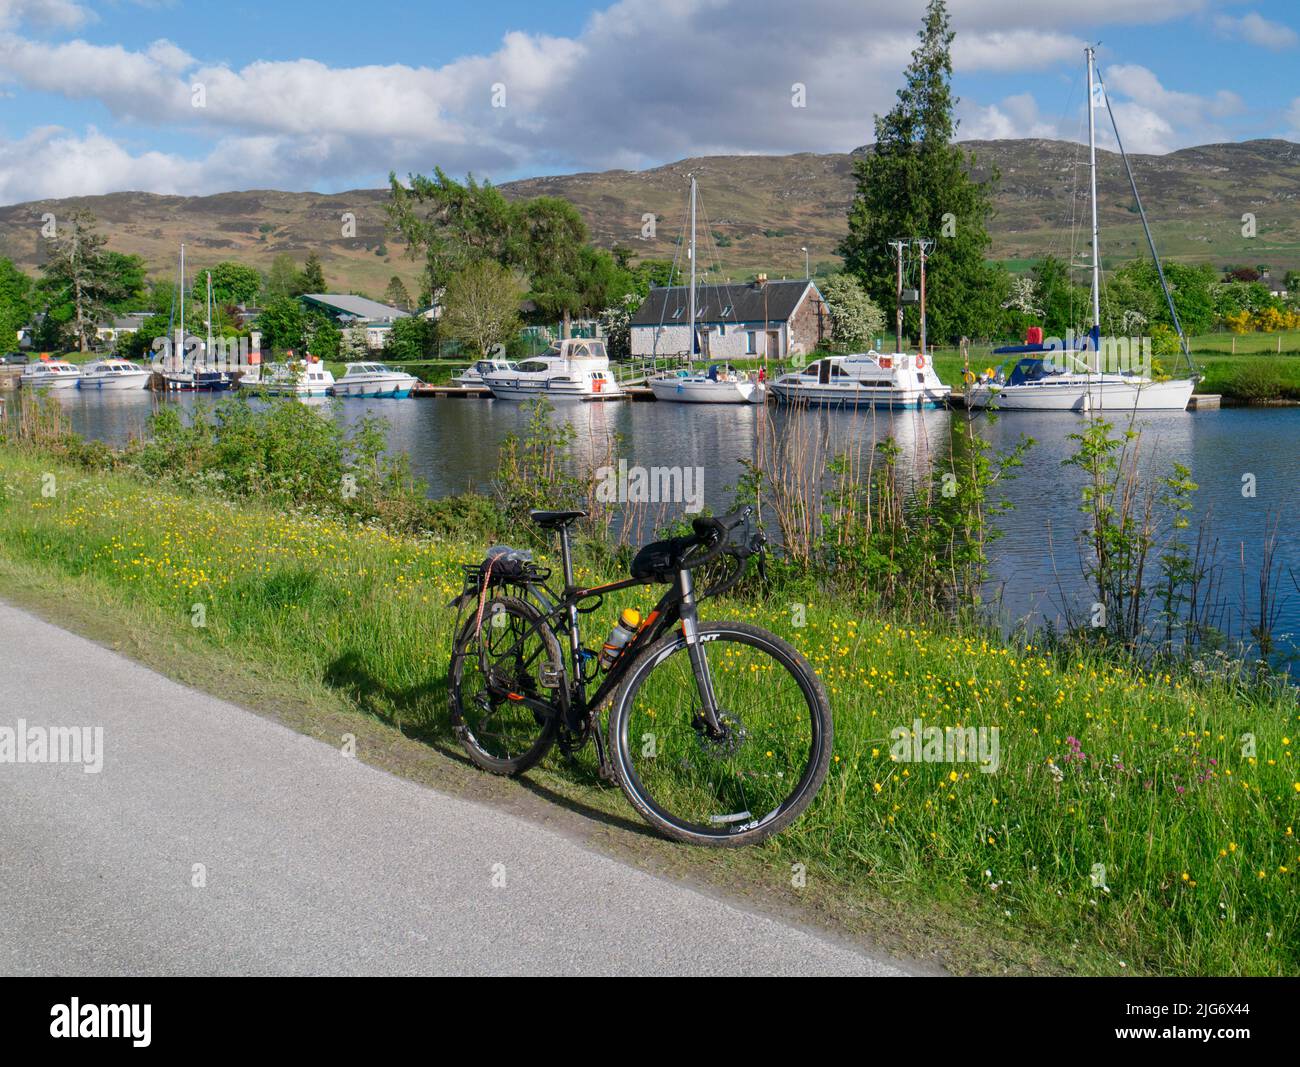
[
  {"x": 1092, "y": 172},
  {"x": 181, "y": 295},
  {"x": 691, "y": 342},
  {"x": 207, "y": 351}
]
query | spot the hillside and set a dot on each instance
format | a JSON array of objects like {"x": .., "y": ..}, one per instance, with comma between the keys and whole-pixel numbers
[{"x": 761, "y": 210}]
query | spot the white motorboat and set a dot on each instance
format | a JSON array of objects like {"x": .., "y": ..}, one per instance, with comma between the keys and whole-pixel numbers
[
  {"x": 1045, "y": 378},
  {"x": 113, "y": 374},
  {"x": 300, "y": 378},
  {"x": 865, "y": 379},
  {"x": 374, "y": 380},
  {"x": 51, "y": 374},
  {"x": 472, "y": 377},
  {"x": 720, "y": 384},
  {"x": 574, "y": 368}
]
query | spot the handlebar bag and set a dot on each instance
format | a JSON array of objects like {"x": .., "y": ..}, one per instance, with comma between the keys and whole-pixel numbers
[{"x": 658, "y": 560}]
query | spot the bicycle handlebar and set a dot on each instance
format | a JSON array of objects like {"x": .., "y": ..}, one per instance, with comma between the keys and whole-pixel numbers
[{"x": 713, "y": 533}]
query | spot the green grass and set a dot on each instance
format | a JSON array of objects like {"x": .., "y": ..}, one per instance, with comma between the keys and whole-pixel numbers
[{"x": 986, "y": 871}]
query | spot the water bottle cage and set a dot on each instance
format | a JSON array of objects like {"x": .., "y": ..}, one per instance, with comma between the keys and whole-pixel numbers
[{"x": 588, "y": 664}]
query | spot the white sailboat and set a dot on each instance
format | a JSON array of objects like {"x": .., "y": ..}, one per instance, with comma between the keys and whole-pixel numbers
[
  {"x": 717, "y": 384},
  {"x": 1068, "y": 376}
]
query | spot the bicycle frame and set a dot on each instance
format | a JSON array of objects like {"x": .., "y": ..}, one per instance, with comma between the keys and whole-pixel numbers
[{"x": 561, "y": 611}]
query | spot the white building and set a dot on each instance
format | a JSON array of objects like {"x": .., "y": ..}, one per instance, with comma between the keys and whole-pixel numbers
[{"x": 764, "y": 319}]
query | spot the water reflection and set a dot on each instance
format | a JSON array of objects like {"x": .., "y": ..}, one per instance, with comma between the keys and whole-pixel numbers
[{"x": 454, "y": 444}]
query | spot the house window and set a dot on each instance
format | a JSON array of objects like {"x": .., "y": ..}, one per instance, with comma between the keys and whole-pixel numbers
[
  {"x": 677, "y": 314},
  {"x": 751, "y": 343}
]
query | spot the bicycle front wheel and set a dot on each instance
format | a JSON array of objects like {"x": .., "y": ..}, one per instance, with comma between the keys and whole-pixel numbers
[{"x": 753, "y": 779}]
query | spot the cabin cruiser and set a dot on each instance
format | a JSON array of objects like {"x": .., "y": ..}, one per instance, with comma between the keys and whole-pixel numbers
[
  {"x": 113, "y": 374},
  {"x": 298, "y": 377},
  {"x": 51, "y": 374},
  {"x": 574, "y": 367},
  {"x": 865, "y": 379},
  {"x": 374, "y": 380},
  {"x": 719, "y": 384},
  {"x": 472, "y": 378},
  {"x": 1056, "y": 377}
]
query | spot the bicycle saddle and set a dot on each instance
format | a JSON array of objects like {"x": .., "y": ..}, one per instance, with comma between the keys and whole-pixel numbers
[{"x": 554, "y": 520}]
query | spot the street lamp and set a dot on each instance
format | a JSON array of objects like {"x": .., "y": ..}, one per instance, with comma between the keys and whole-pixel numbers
[{"x": 806, "y": 272}]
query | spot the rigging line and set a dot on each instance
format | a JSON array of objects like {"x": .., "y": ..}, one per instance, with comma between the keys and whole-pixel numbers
[
  {"x": 668, "y": 289},
  {"x": 1137, "y": 197}
]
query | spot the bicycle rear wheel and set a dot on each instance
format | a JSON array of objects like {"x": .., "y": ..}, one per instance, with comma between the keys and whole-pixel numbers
[
  {"x": 753, "y": 780},
  {"x": 507, "y": 687}
]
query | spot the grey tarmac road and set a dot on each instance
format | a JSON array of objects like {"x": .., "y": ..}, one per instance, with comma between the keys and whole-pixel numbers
[{"x": 315, "y": 863}]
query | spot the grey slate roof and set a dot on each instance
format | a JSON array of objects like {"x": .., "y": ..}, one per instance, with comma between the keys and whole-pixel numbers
[
  {"x": 357, "y": 307},
  {"x": 741, "y": 302}
]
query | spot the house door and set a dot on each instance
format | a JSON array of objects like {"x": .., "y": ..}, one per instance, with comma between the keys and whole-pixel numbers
[
  {"x": 704, "y": 343},
  {"x": 773, "y": 342}
]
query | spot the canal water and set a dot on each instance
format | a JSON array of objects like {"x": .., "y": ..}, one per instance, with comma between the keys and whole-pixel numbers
[{"x": 453, "y": 445}]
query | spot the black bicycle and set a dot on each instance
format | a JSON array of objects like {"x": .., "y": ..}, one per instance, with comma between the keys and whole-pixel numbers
[{"x": 719, "y": 733}]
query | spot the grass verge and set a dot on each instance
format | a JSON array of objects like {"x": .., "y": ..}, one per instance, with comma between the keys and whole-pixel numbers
[{"x": 1127, "y": 829}]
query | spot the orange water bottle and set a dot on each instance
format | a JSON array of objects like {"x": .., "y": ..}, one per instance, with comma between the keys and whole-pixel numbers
[{"x": 629, "y": 622}]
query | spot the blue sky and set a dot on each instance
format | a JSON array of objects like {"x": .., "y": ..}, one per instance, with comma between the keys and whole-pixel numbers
[{"x": 171, "y": 96}]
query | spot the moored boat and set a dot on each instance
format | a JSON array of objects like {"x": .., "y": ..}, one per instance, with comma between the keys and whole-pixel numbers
[
  {"x": 48, "y": 373},
  {"x": 374, "y": 380},
  {"x": 719, "y": 384},
  {"x": 572, "y": 368},
  {"x": 472, "y": 377},
  {"x": 300, "y": 378},
  {"x": 865, "y": 379},
  {"x": 112, "y": 374}
]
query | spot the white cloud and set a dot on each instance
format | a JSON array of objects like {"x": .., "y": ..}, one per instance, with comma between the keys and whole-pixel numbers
[
  {"x": 643, "y": 81},
  {"x": 46, "y": 14},
  {"x": 1157, "y": 120},
  {"x": 1254, "y": 29},
  {"x": 1014, "y": 117}
]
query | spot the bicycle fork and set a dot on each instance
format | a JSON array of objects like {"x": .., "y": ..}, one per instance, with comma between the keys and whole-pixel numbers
[{"x": 695, "y": 650}]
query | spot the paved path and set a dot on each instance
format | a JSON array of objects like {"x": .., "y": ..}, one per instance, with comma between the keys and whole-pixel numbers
[{"x": 315, "y": 864}]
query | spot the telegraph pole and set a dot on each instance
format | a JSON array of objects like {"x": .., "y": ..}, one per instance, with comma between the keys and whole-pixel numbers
[
  {"x": 898, "y": 247},
  {"x": 923, "y": 244}
]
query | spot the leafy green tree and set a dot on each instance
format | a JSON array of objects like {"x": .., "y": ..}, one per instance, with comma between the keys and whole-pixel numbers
[
  {"x": 916, "y": 183},
  {"x": 232, "y": 283},
  {"x": 283, "y": 323},
  {"x": 83, "y": 282},
  {"x": 481, "y": 306},
  {"x": 396, "y": 294},
  {"x": 282, "y": 279},
  {"x": 354, "y": 344},
  {"x": 450, "y": 225},
  {"x": 312, "y": 279},
  {"x": 127, "y": 281},
  {"x": 855, "y": 318},
  {"x": 1064, "y": 305},
  {"x": 411, "y": 338},
  {"x": 321, "y": 336},
  {"x": 15, "y": 304}
]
